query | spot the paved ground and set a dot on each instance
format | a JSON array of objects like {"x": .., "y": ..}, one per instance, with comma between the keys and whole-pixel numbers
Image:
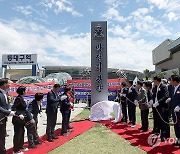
[{"x": 41, "y": 125}]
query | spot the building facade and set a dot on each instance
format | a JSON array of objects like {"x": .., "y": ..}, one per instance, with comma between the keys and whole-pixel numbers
[
  {"x": 166, "y": 57},
  {"x": 83, "y": 72}
]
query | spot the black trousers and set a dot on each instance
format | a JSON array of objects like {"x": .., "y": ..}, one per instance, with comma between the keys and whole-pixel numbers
[
  {"x": 124, "y": 110},
  {"x": 18, "y": 139},
  {"x": 2, "y": 136},
  {"x": 32, "y": 134},
  {"x": 162, "y": 127},
  {"x": 69, "y": 118},
  {"x": 144, "y": 119},
  {"x": 155, "y": 120},
  {"x": 35, "y": 117},
  {"x": 176, "y": 126},
  {"x": 65, "y": 122},
  {"x": 132, "y": 112},
  {"x": 51, "y": 123}
]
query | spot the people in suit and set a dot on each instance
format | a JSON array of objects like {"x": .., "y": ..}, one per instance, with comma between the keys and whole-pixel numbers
[
  {"x": 4, "y": 112},
  {"x": 131, "y": 97},
  {"x": 176, "y": 107},
  {"x": 34, "y": 108},
  {"x": 71, "y": 99},
  {"x": 168, "y": 101},
  {"x": 148, "y": 86},
  {"x": 160, "y": 95},
  {"x": 122, "y": 95},
  {"x": 19, "y": 121},
  {"x": 143, "y": 105},
  {"x": 65, "y": 111},
  {"x": 53, "y": 100}
]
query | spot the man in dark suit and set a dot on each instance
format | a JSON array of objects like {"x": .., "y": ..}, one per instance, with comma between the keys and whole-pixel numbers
[
  {"x": 4, "y": 112},
  {"x": 65, "y": 110},
  {"x": 123, "y": 93},
  {"x": 131, "y": 97},
  {"x": 160, "y": 95},
  {"x": 168, "y": 101},
  {"x": 53, "y": 100},
  {"x": 143, "y": 106},
  {"x": 148, "y": 86},
  {"x": 175, "y": 80},
  {"x": 35, "y": 107}
]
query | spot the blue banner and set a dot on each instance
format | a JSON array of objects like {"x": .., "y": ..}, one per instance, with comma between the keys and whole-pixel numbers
[{"x": 78, "y": 94}]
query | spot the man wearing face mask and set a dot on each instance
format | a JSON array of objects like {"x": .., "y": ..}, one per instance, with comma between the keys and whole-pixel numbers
[{"x": 4, "y": 112}]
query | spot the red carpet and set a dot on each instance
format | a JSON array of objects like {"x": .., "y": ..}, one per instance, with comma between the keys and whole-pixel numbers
[
  {"x": 134, "y": 136},
  {"x": 79, "y": 128}
]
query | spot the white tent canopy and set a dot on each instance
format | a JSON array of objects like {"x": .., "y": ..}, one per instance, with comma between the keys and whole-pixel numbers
[{"x": 103, "y": 109}]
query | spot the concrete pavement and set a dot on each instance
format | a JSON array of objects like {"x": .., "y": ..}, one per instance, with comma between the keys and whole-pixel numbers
[{"x": 41, "y": 125}]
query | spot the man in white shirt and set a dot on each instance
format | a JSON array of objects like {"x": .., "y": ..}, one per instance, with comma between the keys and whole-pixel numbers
[
  {"x": 4, "y": 113},
  {"x": 175, "y": 80},
  {"x": 160, "y": 95}
]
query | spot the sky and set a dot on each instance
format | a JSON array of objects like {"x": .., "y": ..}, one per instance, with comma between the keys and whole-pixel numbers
[{"x": 59, "y": 30}]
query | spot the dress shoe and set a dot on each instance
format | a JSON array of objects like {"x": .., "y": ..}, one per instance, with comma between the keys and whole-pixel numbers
[
  {"x": 163, "y": 139},
  {"x": 32, "y": 146},
  {"x": 38, "y": 142},
  {"x": 153, "y": 132},
  {"x": 54, "y": 137},
  {"x": 50, "y": 139},
  {"x": 145, "y": 130},
  {"x": 129, "y": 123},
  {"x": 176, "y": 144},
  {"x": 70, "y": 130},
  {"x": 18, "y": 152},
  {"x": 24, "y": 149},
  {"x": 65, "y": 134},
  {"x": 133, "y": 126},
  {"x": 70, "y": 127},
  {"x": 140, "y": 128}
]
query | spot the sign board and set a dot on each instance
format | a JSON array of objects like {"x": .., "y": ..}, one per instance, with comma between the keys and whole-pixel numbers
[
  {"x": 112, "y": 83},
  {"x": 99, "y": 75},
  {"x": 19, "y": 59}
]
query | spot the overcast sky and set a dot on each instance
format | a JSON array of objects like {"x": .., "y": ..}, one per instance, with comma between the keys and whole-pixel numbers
[{"x": 59, "y": 30}]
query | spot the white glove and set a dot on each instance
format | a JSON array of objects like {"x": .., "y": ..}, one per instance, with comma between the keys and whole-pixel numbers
[
  {"x": 177, "y": 109},
  {"x": 12, "y": 113},
  {"x": 168, "y": 100},
  {"x": 123, "y": 95},
  {"x": 136, "y": 103},
  {"x": 71, "y": 104},
  {"x": 40, "y": 114},
  {"x": 32, "y": 121},
  {"x": 21, "y": 117},
  {"x": 63, "y": 97},
  {"x": 155, "y": 104},
  {"x": 150, "y": 103}
]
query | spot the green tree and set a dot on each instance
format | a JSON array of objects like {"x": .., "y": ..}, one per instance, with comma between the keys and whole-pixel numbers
[
  {"x": 146, "y": 73},
  {"x": 174, "y": 72},
  {"x": 161, "y": 74}
]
